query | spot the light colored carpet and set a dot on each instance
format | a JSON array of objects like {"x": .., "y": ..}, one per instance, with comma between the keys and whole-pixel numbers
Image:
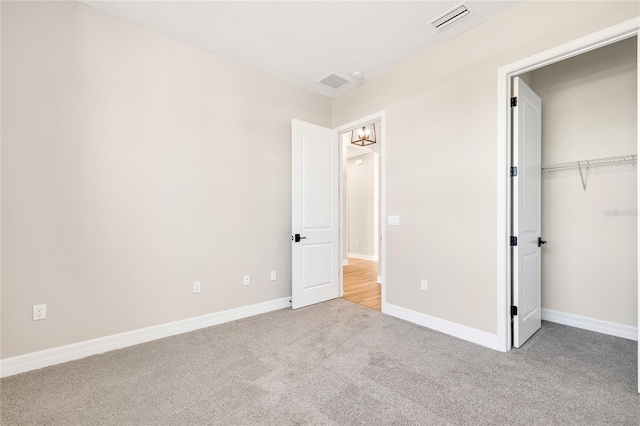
[{"x": 335, "y": 363}]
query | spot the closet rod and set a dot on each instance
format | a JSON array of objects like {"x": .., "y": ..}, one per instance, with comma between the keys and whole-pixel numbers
[
  {"x": 593, "y": 162},
  {"x": 586, "y": 163}
]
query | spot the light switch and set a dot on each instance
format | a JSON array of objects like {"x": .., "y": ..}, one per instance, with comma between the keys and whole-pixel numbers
[{"x": 393, "y": 220}]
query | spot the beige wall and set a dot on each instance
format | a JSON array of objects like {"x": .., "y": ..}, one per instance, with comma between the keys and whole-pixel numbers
[
  {"x": 442, "y": 154},
  {"x": 360, "y": 205},
  {"x": 589, "y": 110},
  {"x": 132, "y": 166}
]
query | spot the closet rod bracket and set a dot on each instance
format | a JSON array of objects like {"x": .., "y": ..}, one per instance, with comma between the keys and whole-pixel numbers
[{"x": 584, "y": 177}]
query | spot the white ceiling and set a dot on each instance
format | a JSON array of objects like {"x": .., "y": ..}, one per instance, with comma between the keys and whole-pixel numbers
[{"x": 305, "y": 41}]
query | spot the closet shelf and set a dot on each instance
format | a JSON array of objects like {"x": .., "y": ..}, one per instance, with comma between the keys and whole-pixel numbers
[
  {"x": 593, "y": 162},
  {"x": 586, "y": 163}
]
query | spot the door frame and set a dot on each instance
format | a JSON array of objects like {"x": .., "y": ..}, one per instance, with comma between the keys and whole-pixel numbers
[
  {"x": 619, "y": 32},
  {"x": 382, "y": 258}
]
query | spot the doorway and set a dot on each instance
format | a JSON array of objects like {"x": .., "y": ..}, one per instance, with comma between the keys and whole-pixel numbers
[
  {"x": 590, "y": 43},
  {"x": 361, "y": 217},
  {"x": 362, "y": 278},
  {"x": 317, "y": 214},
  {"x": 588, "y": 186}
]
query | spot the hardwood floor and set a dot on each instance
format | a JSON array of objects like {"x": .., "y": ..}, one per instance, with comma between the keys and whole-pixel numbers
[{"x": 360, "y": 284}]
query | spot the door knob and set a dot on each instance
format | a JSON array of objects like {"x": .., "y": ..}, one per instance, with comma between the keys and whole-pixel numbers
[
  {"x": 540, "y": 242},
  {"x": 297, "y": 238}
]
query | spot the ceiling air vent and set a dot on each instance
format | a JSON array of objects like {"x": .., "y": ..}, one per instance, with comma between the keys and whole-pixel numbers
[
  {"x": 334, "y": 81},
  {"x": 450, "y": 17}
]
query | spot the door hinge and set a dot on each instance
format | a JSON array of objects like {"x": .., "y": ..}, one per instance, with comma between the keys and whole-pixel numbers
[
  {"x": 514, "y": 102},
  {"x": 514, "y": 311},
  {"x": 514, "y": 241},
  {"x": 514, "y": 171}
]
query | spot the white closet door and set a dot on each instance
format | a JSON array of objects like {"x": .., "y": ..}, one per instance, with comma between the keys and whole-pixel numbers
[{"x": 527, "y": 129}]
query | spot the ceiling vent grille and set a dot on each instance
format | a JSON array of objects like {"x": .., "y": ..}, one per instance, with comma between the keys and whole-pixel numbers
[
  {"x": 334, "y": 81},
  {"x": 450, "y": 17}
]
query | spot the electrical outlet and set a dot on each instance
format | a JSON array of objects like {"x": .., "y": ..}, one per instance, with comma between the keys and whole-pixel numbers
[
  {"x": 246, "y": 280},
  {"x": 273, "y": 275},
  {"x": 39, "y": 312},
  {"x": 196, "y": 287},
  {"x": 423, "y": 285}
]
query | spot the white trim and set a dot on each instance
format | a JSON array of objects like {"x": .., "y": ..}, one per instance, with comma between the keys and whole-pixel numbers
[
  {"x": 596, "y": 40},
  {"x": 363, "y": 256},
  {"x": 343, "y": 204},
  {"x": 379, "y": 280},
  {"x": 382, "y": 117},
  {"x": 638, "y": 198},
  {"x": 599, "y": 326},
  {"x": 463, "y": 332},
  {"x": 36, "y": 360}
]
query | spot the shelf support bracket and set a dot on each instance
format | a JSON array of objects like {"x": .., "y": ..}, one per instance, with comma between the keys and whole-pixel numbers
[{"x": 584, "y": 177}]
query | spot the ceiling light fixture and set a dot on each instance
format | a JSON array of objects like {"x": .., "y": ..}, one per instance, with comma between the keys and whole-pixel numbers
[{"x": 365, "y": 135}]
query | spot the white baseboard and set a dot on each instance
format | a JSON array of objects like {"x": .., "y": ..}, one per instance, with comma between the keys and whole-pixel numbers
[
  {"x": 463, "y": 332},
  {"x": 599, "y": 326},
  {"x": 345, "y": 262},
  {"x": 379, "y": 280},
  {"x": 36, "y": 360},
  {"x": 363, "y": 256}
]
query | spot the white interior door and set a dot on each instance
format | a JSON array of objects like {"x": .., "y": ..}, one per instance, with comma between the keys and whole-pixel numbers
[
  {"x": 526, "y": 213},
  {"x": 314, "y": 215}
]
